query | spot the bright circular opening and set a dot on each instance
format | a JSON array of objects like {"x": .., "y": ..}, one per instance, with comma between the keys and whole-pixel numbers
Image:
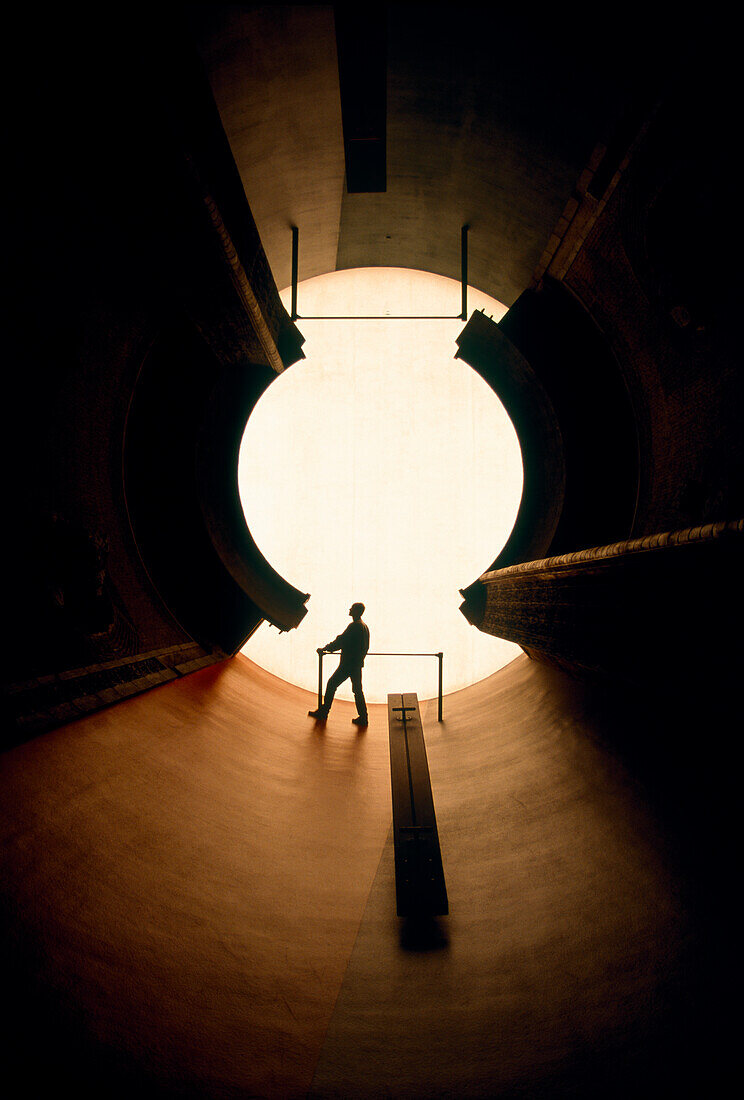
[{"x": 381, "y": 469}]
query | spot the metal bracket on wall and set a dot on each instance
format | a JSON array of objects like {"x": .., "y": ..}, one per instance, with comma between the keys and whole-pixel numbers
[{"x": 462, "y": 316}]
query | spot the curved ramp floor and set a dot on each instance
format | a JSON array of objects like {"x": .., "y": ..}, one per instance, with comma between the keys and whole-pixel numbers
[{"x": 199, "y": 899}]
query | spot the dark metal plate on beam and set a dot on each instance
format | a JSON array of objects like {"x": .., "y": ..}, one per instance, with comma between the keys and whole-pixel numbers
[{"x": 361, "y": 41}]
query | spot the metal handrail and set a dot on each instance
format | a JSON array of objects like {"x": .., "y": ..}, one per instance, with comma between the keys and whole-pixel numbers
[
  {"x": 440, "y": 657},
  {"x": 462, "y": 316}
]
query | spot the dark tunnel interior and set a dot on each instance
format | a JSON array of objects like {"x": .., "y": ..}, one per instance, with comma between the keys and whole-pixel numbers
[{"x": 197, "y": 885}]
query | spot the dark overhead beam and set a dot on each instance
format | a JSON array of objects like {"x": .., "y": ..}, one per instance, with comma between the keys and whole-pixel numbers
[{"x": 361, "y": 41}]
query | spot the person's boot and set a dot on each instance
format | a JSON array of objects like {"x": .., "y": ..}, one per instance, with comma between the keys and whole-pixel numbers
[
  {"x": 320, "y": 714},
  {"x": 360, "y": 721}
]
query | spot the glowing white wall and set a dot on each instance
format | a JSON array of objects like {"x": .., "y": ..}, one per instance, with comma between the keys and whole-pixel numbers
[{"x": 381, "y": 469}]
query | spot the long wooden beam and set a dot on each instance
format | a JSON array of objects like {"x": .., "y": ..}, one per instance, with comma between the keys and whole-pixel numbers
[{"x": 419, "y": 876}]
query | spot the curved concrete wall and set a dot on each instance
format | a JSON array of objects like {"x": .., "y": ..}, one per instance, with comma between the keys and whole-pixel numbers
[{"x": 199, "y": 900}]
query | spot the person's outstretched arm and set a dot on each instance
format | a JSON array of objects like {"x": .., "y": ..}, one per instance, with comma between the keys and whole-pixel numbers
[{"x": 335, "y": 644}]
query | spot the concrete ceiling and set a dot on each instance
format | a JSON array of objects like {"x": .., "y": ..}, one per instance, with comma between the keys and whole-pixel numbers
[
  {"x": 490, "y": 120},
  {"x": 274, "y": 76}
]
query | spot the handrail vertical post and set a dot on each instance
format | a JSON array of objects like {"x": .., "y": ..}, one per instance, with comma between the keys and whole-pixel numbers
[
  {"x": 295, "y": 269},
  {"x": 320, "y": 678},
  {"x": 440, "y": 658},
  {"x": 464, "y": 271}
]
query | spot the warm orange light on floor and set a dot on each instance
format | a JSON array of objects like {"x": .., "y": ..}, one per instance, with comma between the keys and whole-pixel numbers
[{"x": 381, "y": 469}]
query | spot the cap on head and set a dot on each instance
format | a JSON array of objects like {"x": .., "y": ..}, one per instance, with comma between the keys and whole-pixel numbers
[{"x": 356, "y": 610}]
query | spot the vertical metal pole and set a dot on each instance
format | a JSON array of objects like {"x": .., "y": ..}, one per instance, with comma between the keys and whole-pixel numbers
[
  {"x": 295, "y": 268},
  {"x": 320, "y": 677},
  {"x": 440, "y": 658},
  {"x": 464, "y": 270}
]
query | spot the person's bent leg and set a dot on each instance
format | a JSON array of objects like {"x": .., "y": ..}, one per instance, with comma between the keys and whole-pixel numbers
[
  {"x": 334, "y": 680},
  {"x": 361, "y": 702}
]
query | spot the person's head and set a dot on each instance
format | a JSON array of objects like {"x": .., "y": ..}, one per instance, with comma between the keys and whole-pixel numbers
[{"x": 356, "y": 610}]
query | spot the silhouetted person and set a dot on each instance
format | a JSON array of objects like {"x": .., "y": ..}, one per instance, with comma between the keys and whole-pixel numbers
[{"x": 354, "y": 645}]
